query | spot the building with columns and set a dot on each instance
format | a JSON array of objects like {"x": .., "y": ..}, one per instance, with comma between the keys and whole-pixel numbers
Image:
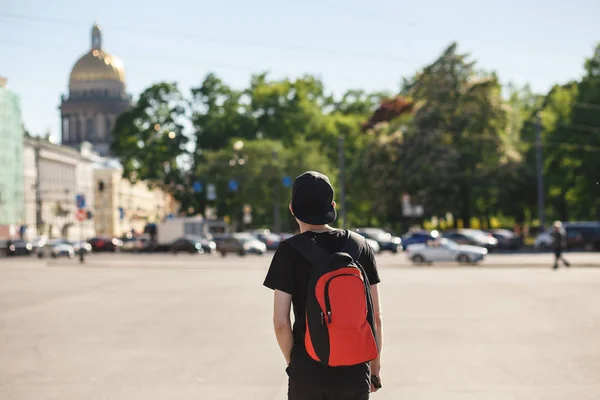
[{"x": 97, "y": 95}]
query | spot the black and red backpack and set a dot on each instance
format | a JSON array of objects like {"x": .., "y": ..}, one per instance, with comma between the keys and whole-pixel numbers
[{"x": 340, "y": 327}]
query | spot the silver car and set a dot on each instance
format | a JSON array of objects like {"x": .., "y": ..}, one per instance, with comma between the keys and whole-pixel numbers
[
  {"x": 57, "y": 248},
  {"x": 444, "y": 250}
]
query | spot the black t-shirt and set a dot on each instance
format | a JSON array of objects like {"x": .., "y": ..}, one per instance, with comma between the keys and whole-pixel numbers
[{"x": 290, "y": 272}]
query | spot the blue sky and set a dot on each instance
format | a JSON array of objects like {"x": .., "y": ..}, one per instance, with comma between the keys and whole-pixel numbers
[{"x": 349, "y": 44}]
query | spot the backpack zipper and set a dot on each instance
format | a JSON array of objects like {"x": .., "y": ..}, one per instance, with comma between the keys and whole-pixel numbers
[{"x": 327, "y": 301}]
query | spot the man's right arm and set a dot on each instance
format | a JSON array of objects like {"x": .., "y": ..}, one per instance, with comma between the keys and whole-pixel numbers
[{"x": 376, "y": 364}]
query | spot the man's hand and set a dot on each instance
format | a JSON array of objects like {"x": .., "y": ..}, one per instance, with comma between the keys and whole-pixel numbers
[{"x": 375, "y": 371}]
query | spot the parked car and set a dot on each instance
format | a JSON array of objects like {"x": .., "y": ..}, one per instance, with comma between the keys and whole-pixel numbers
[
  {"x": 418, "y": 237},
  {"x": 386, "y": 241},
  {"x": 59, "y": 248},
  {"x": 507, "y": 240},
  {"x": 580, "y": 235},
  {"x": 374, "y": 245},
  {"x": 242, "y": 244},
  {"x": 38, "y": 243},
  {"x": 473, "y": 237},
  {"x": 543, "y": 241},
  {"x": 583, "y": 235},
  {"x": 81, "y": 245},
  {"x": 106, "y": 244},
  {"x": 132, "y": 244},
  {"x": 445, "y": 250},
  {"x": 270, "y": 239},
  {"x": 286, "y": 235},
  {"x": 15, "y": 247},
  {"x": 193, "y": 244}
]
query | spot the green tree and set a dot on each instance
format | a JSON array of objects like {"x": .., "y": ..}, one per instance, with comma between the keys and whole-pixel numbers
[
  {"x": 149, "y": 138},
  {"x": 585, "y": 126},
  {"x": 447, "y": 157},
  {"x": 258, "y": 168}
]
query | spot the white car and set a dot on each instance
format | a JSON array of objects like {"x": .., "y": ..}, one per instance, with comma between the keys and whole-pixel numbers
[
  {"x": 445, "y": 250},
  {"x": 374, "y": 245},
  {"x": 543, "y": 241},
  {"x": 60, "y": 248}
]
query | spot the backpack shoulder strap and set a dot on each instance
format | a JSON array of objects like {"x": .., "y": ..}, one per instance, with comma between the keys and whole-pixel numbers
[
  {"x": 353, "y": 244},
  {"x": 308, "y": 248}
]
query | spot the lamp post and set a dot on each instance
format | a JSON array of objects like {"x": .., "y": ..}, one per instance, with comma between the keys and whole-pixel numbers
[
  {"x": 237, "y": 160},
  {"x": 540, "y": 172}
]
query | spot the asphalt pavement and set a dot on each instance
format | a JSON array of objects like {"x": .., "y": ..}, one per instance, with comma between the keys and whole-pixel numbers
[{"x": 199, "y": 327}]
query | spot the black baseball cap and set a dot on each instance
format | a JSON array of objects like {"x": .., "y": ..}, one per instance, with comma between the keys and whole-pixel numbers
[{"x": 312, "y": 197}]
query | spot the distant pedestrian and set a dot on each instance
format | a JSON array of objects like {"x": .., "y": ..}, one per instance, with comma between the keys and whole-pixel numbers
[
  {"x": 559, "y": 243},
  {"x": 329, "y": 276}
]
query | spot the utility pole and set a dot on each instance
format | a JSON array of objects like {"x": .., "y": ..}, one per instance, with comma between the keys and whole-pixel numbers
[
  {"x": 540, "y": 173},
  {"x": 342, "y": 181}
]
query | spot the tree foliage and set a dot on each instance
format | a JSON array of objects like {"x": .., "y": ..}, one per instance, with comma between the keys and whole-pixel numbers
[{"x": 449, "y": 138}]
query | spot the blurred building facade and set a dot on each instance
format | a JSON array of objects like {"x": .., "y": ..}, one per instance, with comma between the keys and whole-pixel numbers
[
  {"x": 53, "y": 175},
  {"x": 123, "y": 207},
  {"x": 11, "y": 162},
  {"x": 97, "y": 95}
]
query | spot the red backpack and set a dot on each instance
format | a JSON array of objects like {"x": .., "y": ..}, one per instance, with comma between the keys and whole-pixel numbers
[{"x": 340, "y": 327}]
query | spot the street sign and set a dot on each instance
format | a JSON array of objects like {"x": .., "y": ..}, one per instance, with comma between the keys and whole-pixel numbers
[
  {"x": 233, "y": 185},
  {"x": 198, "y": 187},
  {"x": 287, "y": 181},
  {"x": 80, "y": 201},
  {"x": 211, "y": 192},
  {"x": 81, "y": 215}
]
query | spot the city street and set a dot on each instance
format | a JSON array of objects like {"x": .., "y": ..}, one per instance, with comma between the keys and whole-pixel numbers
[{"x": 151, "y": 327}]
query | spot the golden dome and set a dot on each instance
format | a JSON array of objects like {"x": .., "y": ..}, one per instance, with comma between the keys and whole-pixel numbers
[{"x": 98, "y": 65}]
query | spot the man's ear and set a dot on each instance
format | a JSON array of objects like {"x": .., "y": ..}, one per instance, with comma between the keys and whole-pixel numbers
[
  {"x": 290, "y": 207},
  {"x": 333, "y": 204}
]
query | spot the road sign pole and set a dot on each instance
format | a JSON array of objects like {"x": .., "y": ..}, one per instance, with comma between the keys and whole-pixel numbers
[{"x": 81, "y": 246}]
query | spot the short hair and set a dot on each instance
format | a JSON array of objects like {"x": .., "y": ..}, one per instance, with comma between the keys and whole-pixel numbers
[{"x": 557, "y": 224}]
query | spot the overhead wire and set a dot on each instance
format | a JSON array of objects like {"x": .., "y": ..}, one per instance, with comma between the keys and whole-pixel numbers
[{"x": 220, "y": 40}]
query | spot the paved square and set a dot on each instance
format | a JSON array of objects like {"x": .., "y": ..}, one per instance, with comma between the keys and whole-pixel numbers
[{"x": 164, "y": 327}]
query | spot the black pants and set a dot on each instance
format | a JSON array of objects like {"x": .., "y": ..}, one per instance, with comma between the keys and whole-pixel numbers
[
  {"x": 298, "y": 391},
  {"x": 559, "y": 257}
]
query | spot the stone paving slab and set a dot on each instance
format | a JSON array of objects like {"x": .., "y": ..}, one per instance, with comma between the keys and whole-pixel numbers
[{"x": 176, "y": 332}]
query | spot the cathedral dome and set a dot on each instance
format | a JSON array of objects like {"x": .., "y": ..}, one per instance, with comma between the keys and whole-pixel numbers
[{"x": 97, "y": 65}]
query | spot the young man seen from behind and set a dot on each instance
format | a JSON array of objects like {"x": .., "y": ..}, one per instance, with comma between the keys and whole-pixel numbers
[{"x": 335, "y": 355}]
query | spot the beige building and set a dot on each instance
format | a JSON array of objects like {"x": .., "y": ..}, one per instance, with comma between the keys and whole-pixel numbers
[
  {"x": 123, "y": 207},
  {"x": 53, "y": 175}
]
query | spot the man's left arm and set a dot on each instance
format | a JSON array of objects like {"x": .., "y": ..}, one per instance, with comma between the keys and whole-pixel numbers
[{"x": 282, "y": 323}]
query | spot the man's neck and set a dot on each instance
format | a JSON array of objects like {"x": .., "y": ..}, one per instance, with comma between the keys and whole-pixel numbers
[{"x": 314, "y": 228}]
